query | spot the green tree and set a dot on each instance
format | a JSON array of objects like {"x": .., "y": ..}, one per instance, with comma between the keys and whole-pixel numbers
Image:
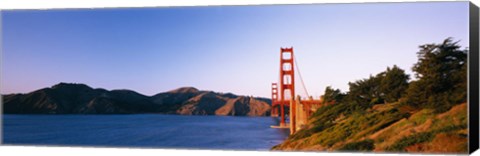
[
  {"x": 387, "y": 86},
  {"x": 441, "y": 71},
  {"x": 394, "y": 84},
  {"x": 366, "y": 91},
  {"x": 331, "y": 94}
]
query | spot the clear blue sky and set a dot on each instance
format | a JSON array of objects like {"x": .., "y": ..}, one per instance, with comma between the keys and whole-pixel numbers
[{"x": 225, "y": 49}]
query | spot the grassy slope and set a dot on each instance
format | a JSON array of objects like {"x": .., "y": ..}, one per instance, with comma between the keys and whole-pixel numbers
[{"x": 383, "y": 128}]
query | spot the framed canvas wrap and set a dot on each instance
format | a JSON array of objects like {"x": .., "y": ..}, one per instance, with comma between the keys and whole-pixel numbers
[{"x": 356, "y": 77}]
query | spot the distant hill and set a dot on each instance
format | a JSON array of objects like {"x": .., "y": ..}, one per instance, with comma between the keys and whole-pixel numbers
[{"x": 69, "y": 98}]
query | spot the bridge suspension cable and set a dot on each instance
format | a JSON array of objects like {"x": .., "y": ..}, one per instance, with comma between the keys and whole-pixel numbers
[{"x": 301, "y": 78}]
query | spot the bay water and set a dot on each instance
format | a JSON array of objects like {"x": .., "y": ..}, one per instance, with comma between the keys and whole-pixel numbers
[{"x": 144, "y": 131}]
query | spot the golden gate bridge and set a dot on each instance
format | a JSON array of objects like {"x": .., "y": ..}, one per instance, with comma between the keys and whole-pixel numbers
[{"x": 283, "y": 95}]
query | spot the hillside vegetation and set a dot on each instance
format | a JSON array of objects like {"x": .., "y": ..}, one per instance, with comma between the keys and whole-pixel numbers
[
  {"x": 384, "y": 128},
  {"x": 388, "y": 113}
]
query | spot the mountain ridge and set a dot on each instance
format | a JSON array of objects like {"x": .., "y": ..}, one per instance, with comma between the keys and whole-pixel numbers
[{"x": 76, "y": 98}]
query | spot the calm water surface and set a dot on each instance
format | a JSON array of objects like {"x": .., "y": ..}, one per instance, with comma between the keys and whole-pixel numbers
[{"x": 149, "y": 131}]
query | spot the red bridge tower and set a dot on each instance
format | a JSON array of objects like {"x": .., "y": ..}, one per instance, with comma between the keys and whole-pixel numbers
[
  {"x": 274, "y": 111},
  {"x": 287, "y": 83}
]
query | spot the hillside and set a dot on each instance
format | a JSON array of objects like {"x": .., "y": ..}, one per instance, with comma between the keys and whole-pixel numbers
[
  {"x": 68, "y": 98},
  {"x": 383, "y": 128},
  {"x": 243, "y": 106}
]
